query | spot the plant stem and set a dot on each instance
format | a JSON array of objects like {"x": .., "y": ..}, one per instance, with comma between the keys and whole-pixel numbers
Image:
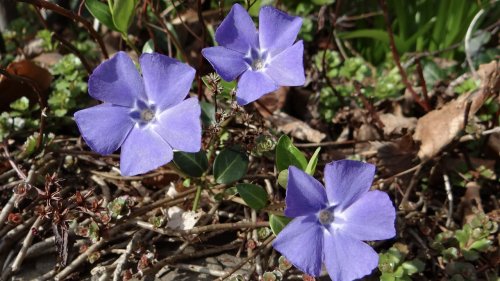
[{"x": 197, "y": 197}]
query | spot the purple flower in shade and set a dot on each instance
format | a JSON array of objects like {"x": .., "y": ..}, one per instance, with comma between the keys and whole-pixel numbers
[
  {"x": 146, "y": 116},
  {"x": 329, "y": 225},
  {"x": 263, "y": 60}
]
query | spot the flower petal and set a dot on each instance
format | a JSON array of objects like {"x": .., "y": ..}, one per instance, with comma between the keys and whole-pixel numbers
[
  {"x": 104, "y": 127},
  {"x": 253, "y": 85},
  {"x": 167, "y": 80},
  {"x": 143, "y": 151},
  {"x": 237, "y": 31},
  {"x": 301, "y": 242},
  {"x": 117, "y": 81},
  {"x": 287, "y": 68},
  {"x": 227, "y": 63},
  {"x": 277, "y": 30},
  {"x": 346, "y": 181},
  {"x": 304, "y": 194},
  {"x": 371, "y": 217},
  {"x": 346, "y": 258},
  {"x": 180, "y": 126}
]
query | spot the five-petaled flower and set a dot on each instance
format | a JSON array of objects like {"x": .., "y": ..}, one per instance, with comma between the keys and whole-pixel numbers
[
  {"x": 146, "y": 116},
  {"x": 263, "y": 60},
  {"x": 329, "y": 225}
]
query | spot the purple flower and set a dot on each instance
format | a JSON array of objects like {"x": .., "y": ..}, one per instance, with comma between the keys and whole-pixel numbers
[
  {"x": 146, "y": 116},
  {"x": 263, "y": 60},
  {"x": 329, "y": 225}
]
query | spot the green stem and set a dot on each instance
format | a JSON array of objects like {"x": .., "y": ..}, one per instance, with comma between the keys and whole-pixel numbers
[
  {"x": 197, "y": 197},
  {"x": 131, "y": 45}
]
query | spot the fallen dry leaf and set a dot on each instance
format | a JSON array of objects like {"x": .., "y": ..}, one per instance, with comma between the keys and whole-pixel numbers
[
  {"x": 437, "y": 128},
  {"x": 11, "y": 89},
  {"x": 396, "y": 123},
  {"x": 179, "y": 219},
  {"x": 295, "y": 127}
]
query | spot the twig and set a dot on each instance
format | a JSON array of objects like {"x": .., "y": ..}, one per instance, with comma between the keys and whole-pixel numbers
[
  {"x": 255, "y": 237},
  {"x": 203, "y": 39},
  {"x": 202, "y": 229},
  {"x": 79, "y": 260},
  {"x": 468, "y": 35},
  {"x": 123, "y": 258},
  {"x": 69, "y": 14},
  {"x": 449, "y": 195},
  {"x": 196, "y": 254},
  {"x": 198, "y": 269},
  {"x": 65, "y": 43},
  {"x": 256, "y": 252},
  {"x": 184, "y": 23},
  {"x": 404, "y": 202},
  {"x": 26, "y": 244},
  {"x": 423, "y": 83},
  {"x": 397, "y": 60},
  {"x": 330, "y": 143},
  {"x": 484, "y": 133},
  {"x": 168, "y": 32}
]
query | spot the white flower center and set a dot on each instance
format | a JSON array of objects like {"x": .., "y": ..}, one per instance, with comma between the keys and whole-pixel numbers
[
  {"x": 147, "y": 115},
  {"x": 326, "y": 216},
  {"x": 257, "y": 64}
]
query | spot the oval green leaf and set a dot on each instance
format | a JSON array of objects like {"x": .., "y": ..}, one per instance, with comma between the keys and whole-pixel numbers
[
  {"x": 123, "y": 13},
  {"x": 230, "y": 165},
  {"x": 101, "y": 12},
  {"x": 289, "y": 155},
  {"x": 192, "y": 164},
  {"x": 277, "y": 223},
  {"x": 254, "y": 195}
]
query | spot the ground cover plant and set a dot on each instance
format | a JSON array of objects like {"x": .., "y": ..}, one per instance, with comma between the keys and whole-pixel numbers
[{"x": 249, "y": 140}]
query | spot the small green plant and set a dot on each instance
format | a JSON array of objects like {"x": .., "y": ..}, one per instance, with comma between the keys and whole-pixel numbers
[
  {"x": 395, "y": 267},
  {"x": 69, "y": 86}
]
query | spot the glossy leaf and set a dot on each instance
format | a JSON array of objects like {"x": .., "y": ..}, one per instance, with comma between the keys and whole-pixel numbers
[
  {"x": 277, "y": 223},
  {"x": 192, "y": 164},
  {"x": 207, "y": 113},
  {"x": 123, "y": 13},
  {"x": 254, "y": 195},
  {"x": 311, "y": 166},
  {"x": 230, "y": 165},
  {"x": 287, "y": 154},
  {"x": 101, "y": 12},
  {"x": 283, "y": 178}
]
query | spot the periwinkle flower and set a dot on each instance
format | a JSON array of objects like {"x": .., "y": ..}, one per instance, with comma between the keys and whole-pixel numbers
[
  {"x": 330, "y": 224},
  {"x": 148, "y": 116},
  {"x": 263, "y": 60}
]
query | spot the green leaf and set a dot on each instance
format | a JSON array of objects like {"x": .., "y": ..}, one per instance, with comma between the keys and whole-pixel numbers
[
  {"x": 148, "y": 47},
  {"x": 481, "y": 245},
  {"x": 101, "y": 12},
  {"x": 123, "y": 13},
  {"x": 414, "y": 266},
  {"x": 207, "y": 113},
  {"x": 230, "y": 165},
  {"x": 254, "y": 195},
  {"x": 277, "y": 223},
  {"x": 289, "y": 155},
  {"x": 311, "y": 166},
  {"x": 376, "y": 34},
  {"x": 283, "y": 178},
  {"x": 192, "y": 164}
]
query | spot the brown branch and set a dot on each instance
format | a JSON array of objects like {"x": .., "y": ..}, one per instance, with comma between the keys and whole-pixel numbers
[
  {"x": 165, "y": 29},
  {"x": 69, "y": 14},
  {"x": 397, "y": 59},
  {"x": 65, "y": 42}
]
